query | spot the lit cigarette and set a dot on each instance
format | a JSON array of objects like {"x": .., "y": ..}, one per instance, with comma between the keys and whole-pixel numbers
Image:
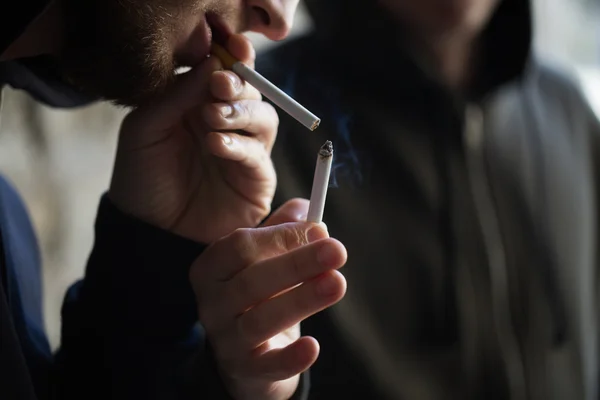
[
  {"x": 320, "y": 183},
  {"x": 270, "y": 91}
]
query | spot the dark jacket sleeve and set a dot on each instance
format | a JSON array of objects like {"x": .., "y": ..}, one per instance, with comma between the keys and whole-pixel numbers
[{"x": 130, "y": 327}]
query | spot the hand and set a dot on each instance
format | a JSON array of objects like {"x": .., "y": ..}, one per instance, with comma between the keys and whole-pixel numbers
[
  {"x": 183, "y": 163},
  {"x": 253, "y": 289}
]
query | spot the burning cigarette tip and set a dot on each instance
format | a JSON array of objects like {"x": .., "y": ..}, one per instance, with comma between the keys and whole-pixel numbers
[
  {"x": 320, "y": 183},
  {"x": 327, "y": 149},
  {"x": 315, "y": 124}
]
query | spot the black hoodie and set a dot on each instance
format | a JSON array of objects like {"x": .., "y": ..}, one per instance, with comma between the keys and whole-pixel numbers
[{"x": 470, "y": 219}]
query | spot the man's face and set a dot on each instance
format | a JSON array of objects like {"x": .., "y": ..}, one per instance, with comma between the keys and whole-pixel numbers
[
  {"x": 128, "y": 50},
  {"x": 443, "y": 17}
]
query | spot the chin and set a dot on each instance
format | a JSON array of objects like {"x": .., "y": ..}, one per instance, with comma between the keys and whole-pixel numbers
[{"x": 468, "y": 16}]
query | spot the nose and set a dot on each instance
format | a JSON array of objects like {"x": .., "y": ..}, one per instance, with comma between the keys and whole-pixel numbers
[{"x": 272, "y": 18}]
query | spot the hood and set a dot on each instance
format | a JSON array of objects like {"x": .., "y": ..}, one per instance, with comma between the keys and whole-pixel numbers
[
  {"x": 15, "y": 20},
  {"x": 39, "y": 75},
  {"x": 375, "y": 61},
  {"x": 367, "y": 28}
]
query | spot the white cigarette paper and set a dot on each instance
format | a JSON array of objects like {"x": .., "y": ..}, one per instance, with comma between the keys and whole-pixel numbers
[
  {"x": 277, "y": 96},
  {"x": 270, "y": 91},
  {"x": 318, "y": 194}
]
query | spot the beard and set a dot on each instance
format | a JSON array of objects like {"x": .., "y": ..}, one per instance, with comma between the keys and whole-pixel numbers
[{"x": 121, "y": 50}]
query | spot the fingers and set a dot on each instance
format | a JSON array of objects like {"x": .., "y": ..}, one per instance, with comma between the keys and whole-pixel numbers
[
  {"x": 265, "y": 279},
  {"x": 260, "y": 281},
  {"x": 248, "y": 152},
  {"x": 280, "y": 364},
  {"x": 244, "y": 247},
  {"x": 238, "y": 107},
  {"x": 253, "y": 289},
  {"x": 190, "y": 88},
  {"x": 240, "y": 47},
  {"x": 228, "y": 86},
  {"x": 294, "y": 210},
  {"x": 257, "y": 118},
  {"x": 266, "y": 320}
]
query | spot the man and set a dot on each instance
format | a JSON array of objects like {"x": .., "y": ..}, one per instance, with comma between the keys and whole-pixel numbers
[
  {"x": 466, "y": 181},
  {"x": 192, "y": 170}
]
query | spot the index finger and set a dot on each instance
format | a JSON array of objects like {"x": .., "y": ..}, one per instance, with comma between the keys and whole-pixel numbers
[
  {"x": 293, "y": 210},
  {"x": 240, "y": 47},
  {"x": 228, "y": 256}
]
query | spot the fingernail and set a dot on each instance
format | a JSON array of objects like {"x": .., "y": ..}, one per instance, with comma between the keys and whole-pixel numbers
[
  {"x": 327, "y": 255},
  {"x": 327, "y": 286},
  {"x": 301, "y": 217},
  {"x": 315, "y": 233},
  {"x": 226, "y": 110},
  {"x": 235, "y": 81},
  {"x": 227, "y": 140}
]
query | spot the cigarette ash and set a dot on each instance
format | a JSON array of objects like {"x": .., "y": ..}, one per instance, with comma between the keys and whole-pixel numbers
[
  {"x": 326, "y": 150},
  {"x": 346, "y": 164}
]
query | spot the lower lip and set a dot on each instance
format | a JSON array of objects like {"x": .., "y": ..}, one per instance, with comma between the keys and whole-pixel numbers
[{"x": 197, "y": 47}]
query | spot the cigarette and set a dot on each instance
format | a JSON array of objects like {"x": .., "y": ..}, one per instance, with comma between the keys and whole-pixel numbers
[
  {"x": 270, "y": 91},
  {"x": 320, "y": 183}
]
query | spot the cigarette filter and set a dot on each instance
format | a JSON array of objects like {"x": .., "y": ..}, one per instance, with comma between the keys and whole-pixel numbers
[
  {"x": 270, "y": 91},
  {"x": 320, "y": 183}
]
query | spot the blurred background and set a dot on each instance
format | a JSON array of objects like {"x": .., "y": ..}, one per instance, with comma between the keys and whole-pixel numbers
[{"x": 61, "y": 160}]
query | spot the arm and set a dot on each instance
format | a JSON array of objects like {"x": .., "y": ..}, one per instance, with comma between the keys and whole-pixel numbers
[
  {"x": 129, "y": 327},
  {"x": 253, "y": 288}
]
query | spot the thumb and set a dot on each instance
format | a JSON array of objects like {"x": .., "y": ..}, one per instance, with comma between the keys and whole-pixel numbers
[
  {"x": 241, "y": 48},
  {"x": 294, "y": 210}
]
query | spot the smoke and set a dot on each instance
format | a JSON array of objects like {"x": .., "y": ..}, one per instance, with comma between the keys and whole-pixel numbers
[
  {"x": 338, "y": 124},
  {"x": 346, "y": 163}
]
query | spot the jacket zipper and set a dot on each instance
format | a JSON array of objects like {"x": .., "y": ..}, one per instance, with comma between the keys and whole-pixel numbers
[{"x": 506, "y": 337}]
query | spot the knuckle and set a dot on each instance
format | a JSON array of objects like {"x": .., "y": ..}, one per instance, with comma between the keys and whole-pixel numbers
[
  {"x": 243, "y": 244},
  {"x": 224, "y": 84},
  {"x": 272, "y": 112},
  {"x": 295, "y": 237},
  {"x": 277, "y": 239},
  {"x": 212, "y": 115},
  {"x": 249, "y": 109},
  {"x": 236, "y": 82},
  {"x": 254, "y": 93},
  {"x": 271, "y": 116},
  {"x": 241, "y": 110}
]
